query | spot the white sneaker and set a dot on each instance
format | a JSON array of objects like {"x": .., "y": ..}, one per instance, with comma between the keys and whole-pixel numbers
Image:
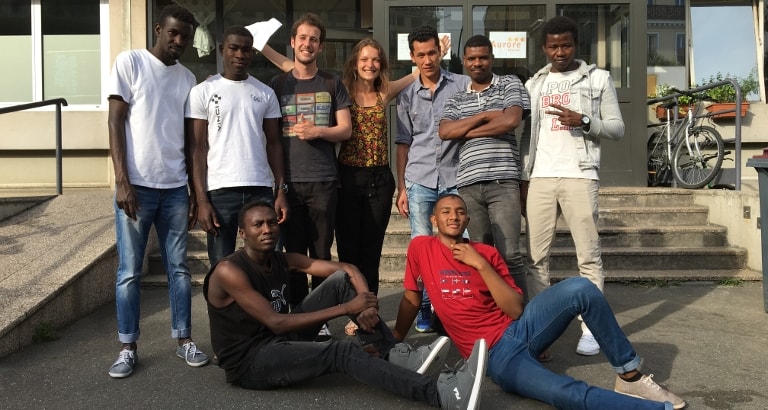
[{"x": 587, "y": 345}]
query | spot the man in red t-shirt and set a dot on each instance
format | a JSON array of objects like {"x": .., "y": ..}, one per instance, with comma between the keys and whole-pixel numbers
[{"x": 475, "y": 297}]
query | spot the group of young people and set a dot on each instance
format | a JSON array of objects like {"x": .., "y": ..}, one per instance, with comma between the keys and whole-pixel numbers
[{"x": 263, "y": 167}]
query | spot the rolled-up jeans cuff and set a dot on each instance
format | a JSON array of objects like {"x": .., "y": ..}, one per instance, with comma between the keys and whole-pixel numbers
[{"x": 633, "y": 364}]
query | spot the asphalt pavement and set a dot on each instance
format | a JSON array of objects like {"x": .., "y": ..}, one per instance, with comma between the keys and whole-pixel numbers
[{"x": 707, "y": 342}]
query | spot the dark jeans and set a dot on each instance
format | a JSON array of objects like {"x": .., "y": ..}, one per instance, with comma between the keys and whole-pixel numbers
[
  {"x": 289, "y": 362},
  {"x": 494, "y": 219},
  {"x": 362, "y": 216},
  {"x": 309, "y": 229},
  {"x": 227, "y": 202}
]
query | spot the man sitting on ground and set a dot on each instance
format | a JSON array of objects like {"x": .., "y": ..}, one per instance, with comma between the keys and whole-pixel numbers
[
  {"x": 474, "y": 294},
  {"x": 261, "y": 346}
]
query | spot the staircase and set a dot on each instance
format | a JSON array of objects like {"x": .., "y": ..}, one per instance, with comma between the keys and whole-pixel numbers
[{"x": 646, "y": 234}]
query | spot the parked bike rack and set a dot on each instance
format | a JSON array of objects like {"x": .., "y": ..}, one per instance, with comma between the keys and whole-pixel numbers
[{"x": 737, "y": 109}]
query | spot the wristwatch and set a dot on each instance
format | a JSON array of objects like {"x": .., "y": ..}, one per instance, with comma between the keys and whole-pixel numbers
[
  {"x": 585, "y": 122},
  {"x": 283, "y": 187}
]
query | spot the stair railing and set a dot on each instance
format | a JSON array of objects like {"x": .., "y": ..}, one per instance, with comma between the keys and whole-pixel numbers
[{"x": 58, "y": 102}]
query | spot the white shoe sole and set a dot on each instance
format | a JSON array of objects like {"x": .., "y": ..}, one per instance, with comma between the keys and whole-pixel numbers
[
  {"x": 587, "y": 352},
  {"x": 676, "y": 407},
  {"x": 474, "y": 398},
  {"x": 440, "y": 350}
]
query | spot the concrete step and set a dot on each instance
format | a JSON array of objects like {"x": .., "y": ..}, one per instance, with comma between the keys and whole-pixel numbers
[
  {"x": 615, "y": 236},
  {"x": 650, "y": 197},
  {"x": 666, "y": 275},
  {"x": 622, "y": 258},
  {"x": 611, "y": 275},
  {"x": 622, "y": 216}
]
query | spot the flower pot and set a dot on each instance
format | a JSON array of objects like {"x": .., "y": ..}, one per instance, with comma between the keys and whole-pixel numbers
[
  {"x": 661, "y": 112},
  {"x": 717, "y": 107}
]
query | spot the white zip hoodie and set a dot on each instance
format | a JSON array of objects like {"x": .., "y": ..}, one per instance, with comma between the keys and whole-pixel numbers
[{"x": 596, "y": 92}]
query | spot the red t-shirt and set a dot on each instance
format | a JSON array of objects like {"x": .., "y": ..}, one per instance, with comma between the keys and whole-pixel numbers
[{"x": 458, "y": 293}]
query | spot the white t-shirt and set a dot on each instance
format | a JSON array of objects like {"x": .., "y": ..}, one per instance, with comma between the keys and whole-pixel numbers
[
  {"x": 235, "y": 111},
  {"x": 154, "y": 128},
  {"x": 556, "y": 155}
]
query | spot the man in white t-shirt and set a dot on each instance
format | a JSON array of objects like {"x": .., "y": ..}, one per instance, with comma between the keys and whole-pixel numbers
[
  {"x": 236, "y": 145},
  {"x": 147, "y": 92},
  {"x": 573, "y": 107}
]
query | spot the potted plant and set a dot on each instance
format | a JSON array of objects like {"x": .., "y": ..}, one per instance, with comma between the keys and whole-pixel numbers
[
  {"x": 724, "y": 97},
  {"x": 663, "y": 90}
]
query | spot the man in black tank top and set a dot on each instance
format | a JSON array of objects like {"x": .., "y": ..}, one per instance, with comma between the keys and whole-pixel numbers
[{"x": 261, "y": 345}]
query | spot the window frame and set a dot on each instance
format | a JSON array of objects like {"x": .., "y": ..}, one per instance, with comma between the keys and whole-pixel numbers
[{"x": 37, "y": 60}]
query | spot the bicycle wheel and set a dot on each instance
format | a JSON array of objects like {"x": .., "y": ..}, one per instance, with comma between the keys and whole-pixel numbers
[
  {"x": 658, "y": 167},
  {"x": 697, "y": 161}
]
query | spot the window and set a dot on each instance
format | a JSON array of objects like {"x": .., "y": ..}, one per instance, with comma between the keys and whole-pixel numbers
[
  {"x": 732, "y": 55},
  {"x": 680, "y": 48},
  {"x": 53, "y": 50},
  {"x": 653, "y": 45},
  {"x": 603, "y": 37}
]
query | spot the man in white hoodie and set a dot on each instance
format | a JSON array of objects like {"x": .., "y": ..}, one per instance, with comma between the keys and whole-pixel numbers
[{"x": 573, "y": 107}]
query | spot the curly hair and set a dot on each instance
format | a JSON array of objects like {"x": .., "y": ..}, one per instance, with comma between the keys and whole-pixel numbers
[
  {"x": 559, "y": 25},
  {"x": 479, "y": 40},
  {"x": 237, "y": 30},
  {"x": 177, "y": 12},
  {"x": 350, "y": 67}
]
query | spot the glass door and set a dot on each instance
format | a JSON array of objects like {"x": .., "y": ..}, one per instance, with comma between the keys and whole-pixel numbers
[{"x": 447, "y": 19}]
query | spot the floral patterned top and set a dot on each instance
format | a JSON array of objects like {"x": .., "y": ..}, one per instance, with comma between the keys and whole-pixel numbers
[{"x": 368, "y": 146}]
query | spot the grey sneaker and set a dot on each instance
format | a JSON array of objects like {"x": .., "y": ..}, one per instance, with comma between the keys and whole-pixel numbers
[
  {"x": 195, "y": 358},
  {"x": 123, "y": 366},
  {"x": 423, "y": 360},
  {"x": 460, "y": 390},
  {"x": 646, "y": 388}
]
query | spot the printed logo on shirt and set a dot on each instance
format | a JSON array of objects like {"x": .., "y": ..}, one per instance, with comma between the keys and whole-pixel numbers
[
  {"x": 278, "y": 299},
  {"x": 314, "y": 108},
  {"x": 216, "y": 101},
  {"x": 454, "y": 284},
  {"x": 556, "y": 92},
  {"x": 257, "y": 98}
]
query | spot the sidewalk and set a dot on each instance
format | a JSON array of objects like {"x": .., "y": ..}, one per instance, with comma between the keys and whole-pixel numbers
[{"x": 707, "y": 343}]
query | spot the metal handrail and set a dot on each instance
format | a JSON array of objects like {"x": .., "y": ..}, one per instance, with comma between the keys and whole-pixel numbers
[
  {"x": 58, "y": 102},
  {"x": 737, "y": 124}
]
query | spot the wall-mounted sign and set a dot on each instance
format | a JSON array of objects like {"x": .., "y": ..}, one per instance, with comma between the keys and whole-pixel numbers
[{"x": 508, "y": 44}]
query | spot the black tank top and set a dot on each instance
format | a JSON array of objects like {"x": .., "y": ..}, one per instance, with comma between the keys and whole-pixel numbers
[{"x": 235, "y": 335}]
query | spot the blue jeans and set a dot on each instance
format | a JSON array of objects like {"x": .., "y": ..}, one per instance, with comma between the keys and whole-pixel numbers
[
  {"x": 168, "y": 210},
  {"x": 494, "y": 219},
  {"x": 227, "y": 203},
  {"x": 512, "y": 360},
  {"x": 421, "y": 201}
]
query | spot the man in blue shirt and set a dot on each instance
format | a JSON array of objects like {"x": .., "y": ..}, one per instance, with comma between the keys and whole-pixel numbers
[{"x": 426, "y": 165}]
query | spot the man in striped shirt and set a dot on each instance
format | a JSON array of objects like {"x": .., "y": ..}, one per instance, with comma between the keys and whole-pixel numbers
[{"x": 484, "y": 117}]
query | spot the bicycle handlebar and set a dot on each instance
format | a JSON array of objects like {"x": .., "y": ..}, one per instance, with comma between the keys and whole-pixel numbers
[{"x": 670, "y": 101}]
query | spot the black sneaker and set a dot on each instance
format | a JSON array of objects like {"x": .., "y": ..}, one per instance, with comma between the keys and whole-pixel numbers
[{"x": 460, "y": 389}]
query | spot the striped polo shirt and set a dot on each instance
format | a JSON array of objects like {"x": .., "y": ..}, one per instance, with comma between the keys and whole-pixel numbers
[{"x": 488, "y": 159}]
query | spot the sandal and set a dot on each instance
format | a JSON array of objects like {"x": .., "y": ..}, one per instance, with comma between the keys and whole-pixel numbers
[{"x": 350, "y": 328}]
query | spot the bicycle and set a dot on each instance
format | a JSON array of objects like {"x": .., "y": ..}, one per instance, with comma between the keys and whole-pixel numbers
[{"x": 690, "y": 152}]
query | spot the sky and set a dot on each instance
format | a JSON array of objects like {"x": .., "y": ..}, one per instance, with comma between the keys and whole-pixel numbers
[{"x": 723, "y": 40}]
